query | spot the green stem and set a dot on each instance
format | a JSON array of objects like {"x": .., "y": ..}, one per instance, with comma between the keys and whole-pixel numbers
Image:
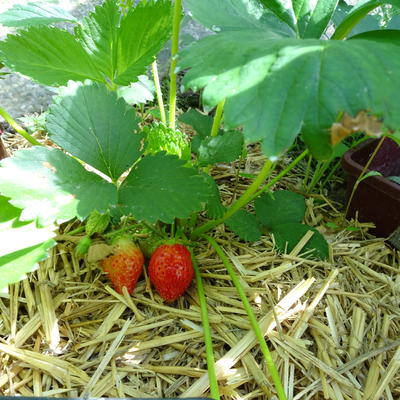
[
  {"x": 217, "y": 118},
  {"x": 160, "y": 101},
  {"x": 307, "y": 173},
  {"x": 174, "y": 51},
  {"x": 252, "y": 318},
  {"x": 212, "y": 376},
  {"x": 239, "y": 203},
  {"x": 281, "y": 174},
  {"x": 359, "y": 179},
  {"x": 18, "y": 128}
]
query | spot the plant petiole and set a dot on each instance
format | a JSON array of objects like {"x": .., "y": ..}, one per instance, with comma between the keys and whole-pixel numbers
[
  {"x": 174, "y": 53},
  {"x": 18, "y": 128},
  {"x": 160, "y": 101},
  {"x": 212, "y": 376},
  {"x": 252, "y": 318},
  {"x": 217, "y": 118},
  {"x": 244, "y": 199}
]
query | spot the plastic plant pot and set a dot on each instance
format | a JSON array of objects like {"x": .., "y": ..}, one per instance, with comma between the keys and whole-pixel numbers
[{"x": 377, "y": 199}]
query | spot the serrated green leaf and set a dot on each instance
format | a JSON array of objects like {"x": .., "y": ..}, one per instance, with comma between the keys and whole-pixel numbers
[
  {"x": 226, "y": 147},
  {"x": 214, "y": 206},
  {"x": 287, "y": 236},
  {"x": 22, "y": 244},
  {"x": 280, "y": 207},
  {"x": 276, "y": 88},
  {"x": 139, "y": 92},
  {"x": 97, "y": 222},
  {"x": 245, "y": 225},
  {"x": 234, "y": 15},
  {"x": 96, "y": 126},
  {"x": 38, "y": 13},
  {"x": 162, "y": 188},
  {"x": 98, "y": 35},
  {"x": 141, "y": 35},
  {"x": 49, "y": 55},
  {"x": 51, "y": 186}
]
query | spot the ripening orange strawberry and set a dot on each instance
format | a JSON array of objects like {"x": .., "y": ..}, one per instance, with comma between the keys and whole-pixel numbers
[{"x": 125, "y": 265}]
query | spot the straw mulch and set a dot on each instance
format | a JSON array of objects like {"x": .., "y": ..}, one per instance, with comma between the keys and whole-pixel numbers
[{"x": 333, "y": 327}]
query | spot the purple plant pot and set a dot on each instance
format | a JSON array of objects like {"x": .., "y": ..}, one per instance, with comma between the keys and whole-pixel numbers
[{"x": 376, "y": 199}]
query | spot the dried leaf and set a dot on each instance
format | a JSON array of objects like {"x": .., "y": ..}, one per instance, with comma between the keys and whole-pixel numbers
[
  {"x": 362, "y": 122},
  {"x": 98, "y": 251}
]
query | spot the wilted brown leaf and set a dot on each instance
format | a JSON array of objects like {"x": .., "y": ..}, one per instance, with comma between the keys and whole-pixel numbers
[{"x": 362, "y": 122}]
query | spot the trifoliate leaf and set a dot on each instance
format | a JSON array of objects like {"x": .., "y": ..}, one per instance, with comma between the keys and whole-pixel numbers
[
  {"x": 276, "y": 88},
  {"x": 95, "y": 126},
  {"x": 245, "y": 225},
  {"x": 161, "y": 188},
  {"x": 279, "y": 208},
  {"x": 225, "y": 147},
  {"x": 22, "y": 244},
  {"x": 287, "y": 236},
  {"x": 97, "y": 222},
  {"x": 38, "y": 13},
  {"x": 51, "y": 186}
]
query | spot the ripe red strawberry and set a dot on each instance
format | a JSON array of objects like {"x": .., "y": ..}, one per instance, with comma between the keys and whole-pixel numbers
[
  {"x": 125, "y": 265},
  {"x": 171, "y": 270}
]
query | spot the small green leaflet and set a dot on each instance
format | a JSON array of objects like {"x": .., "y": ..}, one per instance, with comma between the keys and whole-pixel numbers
[
  {"x": 38, "y": 13},
  {"x": 395, "y": 179},
  {"x": 279, "y": 208},
  {"x": 369, "y": 174},
  {"x": 52, "y": 186},
  {"x": 92, "y": 124},
  {"x": 276, "y": 88},
  {"x": 161, "y": 188},
  {"x": 22, "y": 244},
  {"x": 287, "y": 236},
  {"x": 245, "y": 225},
  {"x": 226, "y": 147},
  {"x": 97, "y": 222}
]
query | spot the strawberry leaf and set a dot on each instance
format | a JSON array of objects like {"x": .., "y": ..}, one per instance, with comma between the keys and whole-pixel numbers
[
  {"x": 49, "y": 55},
  {"x": 279, "y": 208},
  {"x": 161, "y": 188},
  {"x": 287, "y": 236},
  {"x": 226, "y": 147},
  {"x": 96, "y": 126},
  {"x": 38, "y": 13},
  {"x": 214, "y": 206},
  {"x": 245, "y": 225},
  {"x": 234, "y": 15},
  {"x": 51, "y": 186},
  {"x": 23, "y": 244},
  {"x": 98, "y": 35},
  {"x": 276, "y": 88},
  {"x": 141, "y": 35}
]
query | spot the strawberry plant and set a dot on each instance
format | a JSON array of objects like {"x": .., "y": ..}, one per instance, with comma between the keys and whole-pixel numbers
[{"x": 269, "y": 71}]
